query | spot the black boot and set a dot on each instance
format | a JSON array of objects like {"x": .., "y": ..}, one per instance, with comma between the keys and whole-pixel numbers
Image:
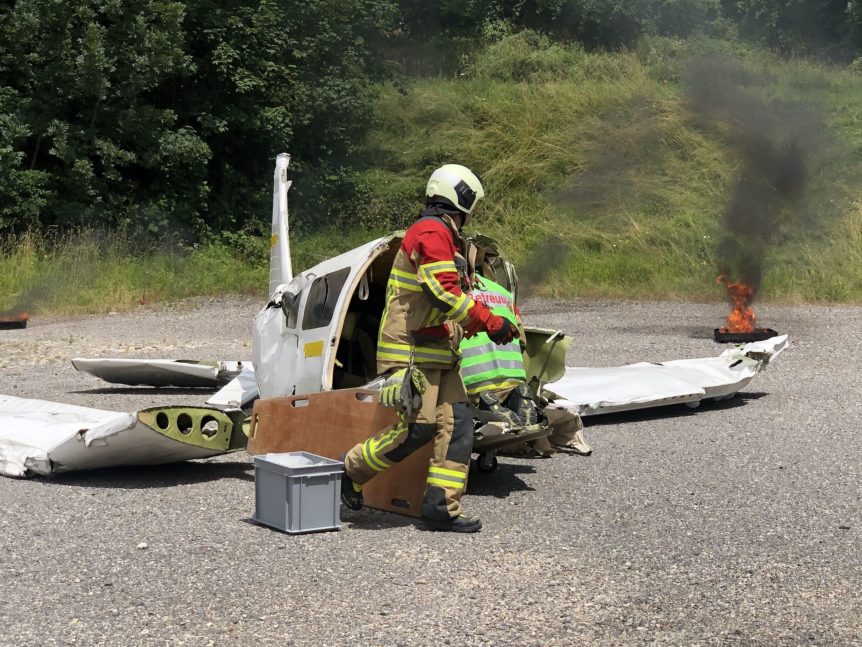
[
  {"x": 350, "y": 496},
  {"x": 462, "y": 523}
]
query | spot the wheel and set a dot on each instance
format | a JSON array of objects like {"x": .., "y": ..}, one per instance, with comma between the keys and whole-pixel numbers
[{"x": 486, "y": 462}]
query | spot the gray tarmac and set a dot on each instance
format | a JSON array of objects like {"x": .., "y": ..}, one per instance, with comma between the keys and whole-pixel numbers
[{"x": 736, "y": 523}]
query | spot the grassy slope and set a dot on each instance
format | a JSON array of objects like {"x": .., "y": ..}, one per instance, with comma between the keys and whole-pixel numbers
[
  {"x": 88, "y": 274},
  {"x": 601, "y": 151},
  {"x": 597, "y": 150}
]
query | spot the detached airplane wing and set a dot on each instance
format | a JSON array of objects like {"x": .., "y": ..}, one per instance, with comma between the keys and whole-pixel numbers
[
  {"x": 160, "y": 372},
  {"x": 592, "y": 391},
  {"x": 40, "y": 437},
  {"x": 237, "y": 379}
]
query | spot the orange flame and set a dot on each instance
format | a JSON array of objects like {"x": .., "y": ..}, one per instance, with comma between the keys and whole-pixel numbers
[{"x": 741, "y": 317}]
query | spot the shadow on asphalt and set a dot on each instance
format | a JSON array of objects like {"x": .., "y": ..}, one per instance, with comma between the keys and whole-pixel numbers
[
  {"x": 692, "y": 332},
  {"x": 502, "y": 481},
  {"x": 371, "y": 519},
  {"x": 673, "y": 411},
  {"x": 156, "y": 476}
]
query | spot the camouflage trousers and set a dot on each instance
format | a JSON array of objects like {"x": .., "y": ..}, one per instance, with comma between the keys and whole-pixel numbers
[{"x": 444, "y": 418}]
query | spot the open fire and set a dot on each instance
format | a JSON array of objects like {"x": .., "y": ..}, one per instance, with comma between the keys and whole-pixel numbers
[
  {"x": 740, "y": 322},
  {"x": 741, "y": 317}
]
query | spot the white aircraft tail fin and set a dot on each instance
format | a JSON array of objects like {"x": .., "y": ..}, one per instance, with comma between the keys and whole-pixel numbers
[{"x": 280, "y": 268}]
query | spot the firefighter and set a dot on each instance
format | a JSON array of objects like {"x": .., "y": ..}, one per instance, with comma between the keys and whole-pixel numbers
[{"x": 427, "y": 305}]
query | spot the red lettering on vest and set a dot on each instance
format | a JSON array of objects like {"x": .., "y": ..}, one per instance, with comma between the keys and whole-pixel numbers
[{"x": 491, "y": 299}]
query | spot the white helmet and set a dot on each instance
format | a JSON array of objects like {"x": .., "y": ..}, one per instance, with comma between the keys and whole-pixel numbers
[{"x": 457, "y": 186}]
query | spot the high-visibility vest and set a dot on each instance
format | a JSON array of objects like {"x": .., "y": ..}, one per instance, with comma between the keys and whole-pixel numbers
[{"x": 485, "y": 366}]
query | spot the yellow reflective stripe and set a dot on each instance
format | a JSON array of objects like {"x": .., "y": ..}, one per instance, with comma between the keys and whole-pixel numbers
[
  {"x": 401, "y": 349},
  {"x": 406, "y": 286},
  {"x": 459, "y": 305},
  {"x": 408, "y": 277},
  {"x": 417, "y": 360},
  {"x": 393, "y": 356},
  {"x": 442, "y": 471},
  {"x": 472, "y": 389},
  {"x": 372, "y": 461},
  {"x": 384, "y": 440},
  {"x": 444, "y": 266},
  {"x": 461, "y": 313},
  {"x": 429, "y": 277},
  {"x": 442, "y": 483},
  {"x": 389, "y": 438},
  {"x": 405, "y": 280},
  {"x": 392, "y": 349}
]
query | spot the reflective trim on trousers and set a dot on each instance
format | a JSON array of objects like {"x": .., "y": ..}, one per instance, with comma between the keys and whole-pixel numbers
[
  {"x": 371, "y": 458},
  {"x": 389, "y": 438},
  {"x": 446, "y": 478}
]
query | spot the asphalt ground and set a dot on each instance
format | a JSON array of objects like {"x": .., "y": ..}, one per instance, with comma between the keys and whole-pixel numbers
[{"x": 735, "y": 523}]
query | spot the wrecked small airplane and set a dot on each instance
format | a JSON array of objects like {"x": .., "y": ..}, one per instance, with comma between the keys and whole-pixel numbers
[{"x": 317, "y": 333}]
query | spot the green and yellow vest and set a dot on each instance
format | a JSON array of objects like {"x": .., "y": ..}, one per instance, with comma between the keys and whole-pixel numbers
[{"x": 485, "y": 366}]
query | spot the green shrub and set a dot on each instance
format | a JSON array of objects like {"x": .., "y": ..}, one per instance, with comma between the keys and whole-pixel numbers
[{"x": 526, "y": 56}]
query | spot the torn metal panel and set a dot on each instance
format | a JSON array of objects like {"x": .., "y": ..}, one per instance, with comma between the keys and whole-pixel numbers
[
  {"x": 722, "y": 376},
  {"x": 591, "y": 391},
  {"x": 160, "y": 372},
  {"x": 39, "y": 437},
  {"x": 239, "y": 392},
  {"x": 545, "y": 354}
]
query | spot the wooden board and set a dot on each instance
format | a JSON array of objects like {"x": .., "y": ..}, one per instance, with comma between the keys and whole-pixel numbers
[{"x": 329, "y": 424}]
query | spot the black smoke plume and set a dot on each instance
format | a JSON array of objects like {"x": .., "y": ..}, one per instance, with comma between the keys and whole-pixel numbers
[
  {"x": 775, "y": 143},
  {"x": 547, "y": 256}
]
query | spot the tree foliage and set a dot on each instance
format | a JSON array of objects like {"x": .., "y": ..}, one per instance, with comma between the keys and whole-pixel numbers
[
  {"x": 274, "y": 77},
  {"x": 81, "y": 109},
  {"x": 797, "y": 26},
  {"x": 165, "y": 115}
]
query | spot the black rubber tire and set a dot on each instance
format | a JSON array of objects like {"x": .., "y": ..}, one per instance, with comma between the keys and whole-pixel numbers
[{"x": 486, "y": 462}]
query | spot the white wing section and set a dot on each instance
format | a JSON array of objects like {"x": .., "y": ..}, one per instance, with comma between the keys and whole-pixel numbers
[
  {"x": 32, "y": 429},
  {"x": 160, "y": 372},
  {"x": 40, "y": 437},
  {"x": 591, "y": 391}
]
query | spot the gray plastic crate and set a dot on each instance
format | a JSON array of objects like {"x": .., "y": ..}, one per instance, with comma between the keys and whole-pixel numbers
[{"x": 297, "y": 492}]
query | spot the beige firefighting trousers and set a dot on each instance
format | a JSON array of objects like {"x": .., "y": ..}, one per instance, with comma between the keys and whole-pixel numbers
[{"x": 443, "y": 417}]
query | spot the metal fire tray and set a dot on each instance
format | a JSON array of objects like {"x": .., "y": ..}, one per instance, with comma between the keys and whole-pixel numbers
[
  {"x": 8, "y": 322},
  {"x": 758, "y": 334}
]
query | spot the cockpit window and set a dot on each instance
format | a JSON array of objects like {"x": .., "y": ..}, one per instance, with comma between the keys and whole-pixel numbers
[{"x": 322, "y": 297}]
